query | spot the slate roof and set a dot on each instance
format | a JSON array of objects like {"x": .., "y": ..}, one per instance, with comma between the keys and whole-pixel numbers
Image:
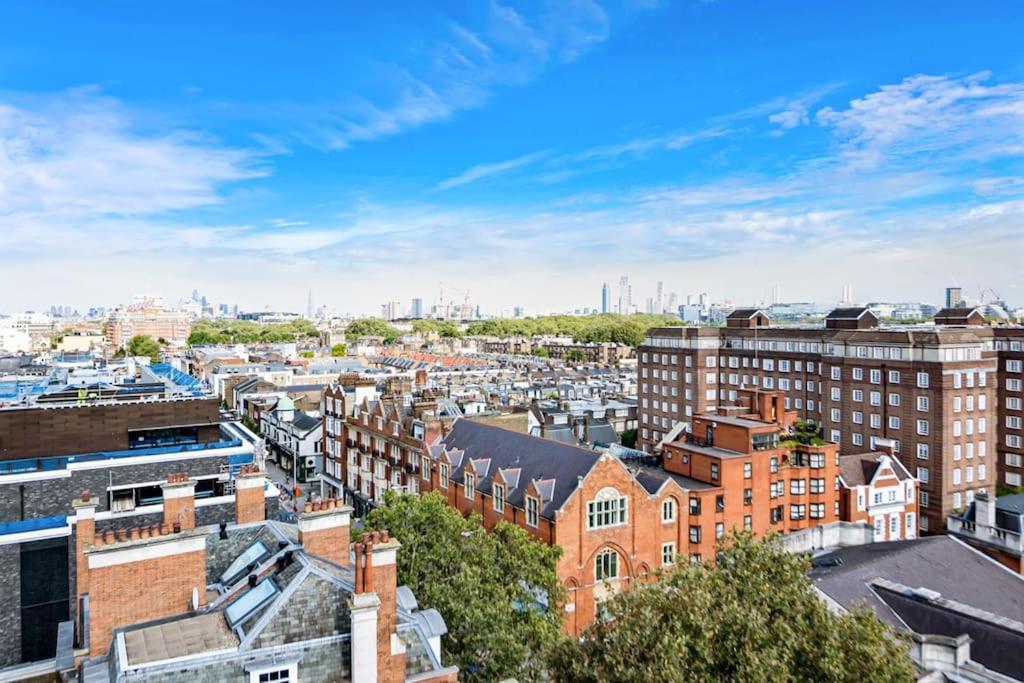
[
  {"x": 745, "y": 314},
  {"x": 851, "y": 313},
  {"x": 939, "y": 563},
  {"x": 305, "y": 421},
  {"x": 1009, "y": 512},
  {"x": 859, "y": 469},
  {"x": 556, "y": 464}
]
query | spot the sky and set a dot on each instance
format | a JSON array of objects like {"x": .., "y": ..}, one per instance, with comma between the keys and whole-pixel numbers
[{"x": 516, "y": 154}]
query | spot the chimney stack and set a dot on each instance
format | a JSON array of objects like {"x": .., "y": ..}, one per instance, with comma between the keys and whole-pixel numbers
[
  {"x": 179, "y": 501},
  {"x": 324, "y": 530},
  {"x": 374, "y": 611},
  {"x": 85, "y": 534},
  {"x": 250, "y": 483},
  {"x": 984, "y": 510}
]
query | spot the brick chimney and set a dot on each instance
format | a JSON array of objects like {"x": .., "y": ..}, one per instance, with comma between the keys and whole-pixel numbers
[
  {"x": 85, "y": 532},
  {"x": 374, "y": 610},
  {"x": 249, "y": 504},
  {"x": 141, "y": 574},
  {"x": 324, "y": 530},
  {"x": 179, "y": 501}
]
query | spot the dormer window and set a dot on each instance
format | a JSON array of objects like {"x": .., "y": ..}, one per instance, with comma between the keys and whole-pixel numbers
[{"x": 499, "y": 498}]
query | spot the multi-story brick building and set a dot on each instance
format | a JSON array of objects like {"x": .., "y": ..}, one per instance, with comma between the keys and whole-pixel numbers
[
  {"x": 620, "y": 520},
  {"x": 932, "y": 390},
  {"x": 1009, "y": 344},
  {"x": 376, "y": 448},
  {"x": 173, "y": 326}
]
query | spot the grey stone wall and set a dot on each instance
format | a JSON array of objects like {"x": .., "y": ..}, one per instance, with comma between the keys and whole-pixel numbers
[
  {"x": 329, "y": 663},
  {"x": 292, "y": 623},
  {"x": 10, "y": 604},
  {"x": 53, "y": 496}
]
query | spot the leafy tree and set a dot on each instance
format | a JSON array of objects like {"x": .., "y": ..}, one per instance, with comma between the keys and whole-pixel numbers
[
  {"x": 541, "y": 352},
  {"x": 442, "y": 328},
  {"x": 141, "y": 345},
  {"x": 338, "y": 350},
  {"x": 576, "y": 356},
  {"x": 305, "y": 354},
  {"x": 371, "y": 327},
  {"x": 628, "y": 438},
  {"x": 753, "y": 616},
  {"x": 248, "y": 332},
  {"x": 479, "y": 582},
  {"x": 606, "y": 327}
]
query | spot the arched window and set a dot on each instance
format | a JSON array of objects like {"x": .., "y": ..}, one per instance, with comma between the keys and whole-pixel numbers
[
  {"x": 606, "y": 565},
  {"x": 607, "y": 509}
]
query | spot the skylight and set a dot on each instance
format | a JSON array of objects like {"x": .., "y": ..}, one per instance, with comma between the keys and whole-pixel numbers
[
  {"x": 254, "y": 598},
  {"x": 254, "y": 553}
]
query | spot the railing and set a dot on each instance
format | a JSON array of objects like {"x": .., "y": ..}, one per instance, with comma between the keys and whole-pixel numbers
[{"x": 55, "y": 463}]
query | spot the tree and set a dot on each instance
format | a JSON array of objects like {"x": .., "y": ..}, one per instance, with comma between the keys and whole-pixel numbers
[
  {"x": 338, "y": 350},
  {"x": 306, "y": 354},
  {"x": 753, "y": 616},
  {"x": 141, "y": 345},
  {"x": 371, "y": 327},
  {"x": 485, "y": 585},
  {"x": 541, "y": 352},
  {"x": 628, "y": 438},
  {"x": 576, "y": 356}
]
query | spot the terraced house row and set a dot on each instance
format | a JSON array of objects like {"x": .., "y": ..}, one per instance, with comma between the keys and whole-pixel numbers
[{"x": 948, "y": 396}]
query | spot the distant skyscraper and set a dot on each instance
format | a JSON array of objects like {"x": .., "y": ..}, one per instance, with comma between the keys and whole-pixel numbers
[
  {"x": 517, "y": 312},
  {"x": 416, "y": 310},
  {"x": 659, "y": 301},
  {"x": 625, "y": 295},
  {"x": 606, "y": 296},
  {"x": 673, "y": 303},
  {"x": 650, "y": 305},
  {"x": 954, "y": 297}
]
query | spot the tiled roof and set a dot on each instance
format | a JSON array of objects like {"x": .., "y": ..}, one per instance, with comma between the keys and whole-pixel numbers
[
  {"x": 556, "y": 464},
  {"x": 859, "y": 469}
]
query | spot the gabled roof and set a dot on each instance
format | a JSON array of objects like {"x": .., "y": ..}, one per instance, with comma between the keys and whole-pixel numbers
[
  {"x": 860, "y": 469},
  {"x": 554, "y": 467},
  {"x": 850, "y": 313},
  {"x": 746, "y": 314}
]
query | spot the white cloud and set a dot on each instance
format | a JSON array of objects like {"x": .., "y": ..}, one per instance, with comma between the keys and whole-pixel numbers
[{"x": 481, "y": 171}]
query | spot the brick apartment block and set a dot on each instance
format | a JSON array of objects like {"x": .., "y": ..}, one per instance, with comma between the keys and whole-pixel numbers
[{"x": 948, "y": 396}]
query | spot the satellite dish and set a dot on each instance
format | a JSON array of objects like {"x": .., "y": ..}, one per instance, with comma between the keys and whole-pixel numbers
[{"x": 195, "y": 599}]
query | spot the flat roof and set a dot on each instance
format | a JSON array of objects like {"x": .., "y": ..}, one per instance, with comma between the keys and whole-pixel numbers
[{"x": 179, "y": 638}]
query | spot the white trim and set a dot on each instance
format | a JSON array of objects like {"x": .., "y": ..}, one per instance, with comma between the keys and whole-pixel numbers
[
  {"x": 148, "y": 551},
  {"x": 175, "y": 491},
  {"x": 384, "y": 557},
  {"x": 246, "y": 482},
  {"x": 321, "y": 522},
  {"x": 267, "y": 667},
  {"x": 38, "y": 534}
]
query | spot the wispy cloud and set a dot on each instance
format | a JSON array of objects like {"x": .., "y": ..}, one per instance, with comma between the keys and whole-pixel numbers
[{"x": 480, "y": 171}]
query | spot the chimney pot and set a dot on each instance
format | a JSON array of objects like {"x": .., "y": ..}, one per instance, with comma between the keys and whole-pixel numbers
[
  {"x": 97, "y": 539},
  {"x": 308, "y": 507},
  {"x": 154, "y": 530},
  {"x": 85, "y": 495},
  {"x": 143, "y": 532},
  {"x": 122, "y": 535},
  {"x": 108, "y": 536},
  {"x": 384, "y": 536},
  {"x": 177, "y": 527}
]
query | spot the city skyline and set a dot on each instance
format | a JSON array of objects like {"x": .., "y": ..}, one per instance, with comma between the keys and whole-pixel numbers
[{"x": 472, "y": 146}]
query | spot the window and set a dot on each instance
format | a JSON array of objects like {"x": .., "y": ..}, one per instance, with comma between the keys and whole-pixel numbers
[
  {"x": 695, "y": 506},
  {"x": 773, "y": 465},
  {"x": 606, "y": 565},
  {"x": 714, "y": 471},
  {"x": 818, "y": 485},
  {"x": 694, "y": 534},
  {"x": 858, "y": 395},
  {"x": 956, "y": 478},
  {"x": 922, "y": 498},
  {"x": 607, "y": 509},
  {"x": 275, "y": 674},
  {"x": 254, "y": 554},
  {"x": 817, "y": 510},
  {"x": 251, "y": 600},
  {"x": 443, "y": 475},
  {"x": 922, "y": 380},
  {"x": 858, "y": 374},
  {"x": 797, "y": 487},
  {"x": 922, "y": 451},
  {"x": 668, "y": 510},
  {"x": 922, "y": 404},
  {"x": 719, "y": 529},
  {"x": 470, "y": 486},
  {"x": 532, "y": 511},
  {"x": 499, "y": 498},
  {"x": 894, "y": 399},
  {"x": 668, "y": 554},
  {"x": 797, "y": 511},
  {"x": 922, "y": 475},
  {"x": 894, "y": 376},
  {"x": 748, "y": 470},
  {"x": 836, "y": 372},
  {"x": 922, "y": 427}
]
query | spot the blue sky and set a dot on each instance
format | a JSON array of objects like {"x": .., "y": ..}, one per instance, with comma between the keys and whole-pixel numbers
[{"x": 525, "y": 152}]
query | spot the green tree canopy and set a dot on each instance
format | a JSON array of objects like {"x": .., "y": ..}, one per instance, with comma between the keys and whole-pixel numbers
[
  {"x": 541, "y": 352},
  {"x": 751, "y": 617},
  {"x": 575, "y": 356},
  {"x": 224, "y": 331},
  {"x": 338, "y": 350},
  {"x": 442, "y": 328},
  {"x": 479, "y": 582},
  {"x": 141, "y": 345},
  {"x": 371, "y": 327},
  {"x": 606, "y": 327}
]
